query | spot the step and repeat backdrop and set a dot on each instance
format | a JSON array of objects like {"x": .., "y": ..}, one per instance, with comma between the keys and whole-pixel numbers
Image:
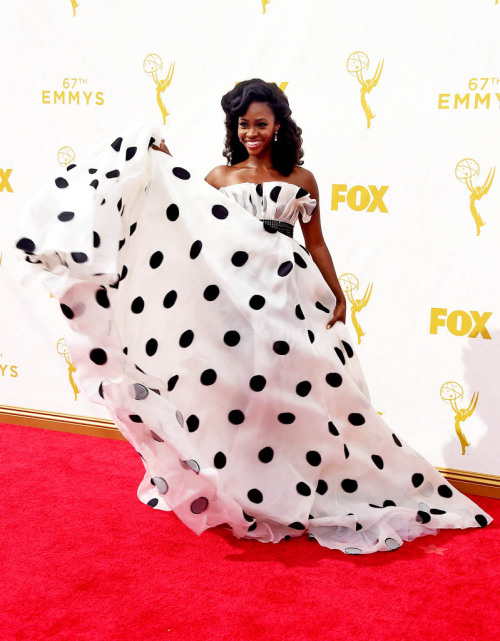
[{"x": 399, "y": 103}]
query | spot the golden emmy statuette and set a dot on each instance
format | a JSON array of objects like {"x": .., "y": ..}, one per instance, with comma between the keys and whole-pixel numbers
[
  {"x": 350, "y": 284},
  {"x": 152, "y": 65},
  {"x": 465, "y": 171},
  {"x": 74, "y": 5},
  {"x": 62, "y": 350},
  {"x": 264, "y": 5},
  {"x": 65, "y": 156},
  {"x": 451, "y": 392},
  {"x": 356, "y": 63}
]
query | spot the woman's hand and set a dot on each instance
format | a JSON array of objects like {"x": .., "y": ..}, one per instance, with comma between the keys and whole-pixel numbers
[
  {"x": 338, "y": 314},
  {"x": 162, "y": 147}
]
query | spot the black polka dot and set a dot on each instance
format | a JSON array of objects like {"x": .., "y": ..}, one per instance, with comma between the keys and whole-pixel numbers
[
  {"x": 26, "y": 245},
  {"x": 62, "y": 183},
  {"x": 69, "y": 167},
  {"x": 66, "y": 216},
  {"x": 436, "y": 511},
  {"x": 358, "y": 526},
  {"x": 125, "y": 350},
  {"x": 220, "y": 212},
  {"x": 98, "y": 356},
  {"x": 445, "y": 491},
  {"x": 186, "y": 338},
  {"x": 299, "y": 260},
  {"x": 339, "y": 353},
  {"x": 281, "y": 347},
  {"x": 220, "y": 460},
  {"x": 151, "y": 142},
  {"x": 311, "y": 335},
  {"x": 275, "y": 192},
  {"x": 417, "y": 480},
  {"x": 257, "y": 383},
  {"x": 170, "y": 299},
  {"x": 157, "y": 438},
  {"x": 211, "y": 292},
  {"x": 322, "y": 487},
  {"x": 114, "y": 173},
  {"x": 481, "y": 519},
  {"x": 137, "y": 305},
  {"x": 97, "y": 240},
  {"x": 130, "y": 153},
  {"x": 156, "y": 260},
  {"x": 153, "y": 502},
  {"x": 321, "y": 307},
  {"x": 180, "y": 172},
  {"x": 267, "y": 226},
  {"x": 117, "y": 144},
  {"x": 301, "y": 193},
  {"x": 119, "y": 205},
  {"x": 252, "y": 527},
  {"x": 195, "y": 250},
  {"x": 135, "y": 418},
  {"x": 92, "y": 170},
  {"x": 101, "y": 390},
  {"x": 349, "y": 485},
  {"x": 208, "y": 377},
  {"x": 172, "y": 382},
  {"x": 313, "y": 458},
  {"x": 132, "y": 229},
  {"x": 121, "y": 243},
  {"x": 259, "y": 190},
  {"x": 236, "y": 417},
  {"x": 333, "y": 379},
  {"x": 239, "y": 258},
  {"x": 247, "y": 517},
  {"x": 389, "y": 503},
  {"x": 297, "y": 526},
  {"x": 67, "y": 311},
  {"x": 257, "y": 302},
  {"x": 139, "y": 392},
  {"x": 101, "y": 297},
  {"x": 160, "y": 484},
  {"x": 94, "y": 183},
  {"x": 397, "y": 441},
  {"x": 356, "y": 419},
  {"x": 199, "y": 505},
  {"x": 231, "y": 338},
  {"x": 287, "y": 418},
  {"x": 193, "y": 423},
  {"x": 266, "y": 454},
  {"x": 191, "y": 465},
  {"x": 303, "y": 489},
  {"x": 79, "y": 257},
  {"x": 285, "y": 268},
  {"x": 346, "y": 451},
  {"x": 423, "y": 517},
  {"x": 378, "y": 461},
  {"x": 299, "y": 313},
  {"x": 303, "y": 388},
  {"x": 151, "y": 347},
  {"x": 333, "y": 429},
  {"x": 348, "y": 349},
  {"x": 255, "y": 495},
  {"x": 172, "y": 212}
]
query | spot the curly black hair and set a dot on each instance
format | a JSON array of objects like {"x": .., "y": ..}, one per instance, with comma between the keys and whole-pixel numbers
[{"x": 287, "y": 151}]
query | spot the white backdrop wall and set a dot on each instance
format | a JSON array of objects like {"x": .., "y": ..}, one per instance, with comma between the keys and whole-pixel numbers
[{"x": 398, "y": 198}]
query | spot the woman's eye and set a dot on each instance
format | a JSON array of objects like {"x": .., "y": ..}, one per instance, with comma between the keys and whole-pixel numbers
[
  {"x": 242, "y": 124},
  {"x": 262, "y": 124}
]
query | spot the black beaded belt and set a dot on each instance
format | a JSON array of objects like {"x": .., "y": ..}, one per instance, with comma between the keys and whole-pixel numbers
[{"x": 285, "y": 228}]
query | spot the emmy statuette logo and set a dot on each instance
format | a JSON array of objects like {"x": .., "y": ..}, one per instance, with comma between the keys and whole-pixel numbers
[
  {"x": 65, "y": 156},
  {"x": 264, "y": 5},
  {"x": 152, "y": 65},
  {"x": 350, "y": 285},
  {"x": 62, "y": 350},
  {"x": 359, "y": 198},
  {"x": 459, "y": 322},
  {"x": 465, "y": 171},
  {"x": 74, "y": 5},
  {"x": 358, "y": 62},
  {"x": 5, "y": 180},
  {"x": 451, "y": 393}
]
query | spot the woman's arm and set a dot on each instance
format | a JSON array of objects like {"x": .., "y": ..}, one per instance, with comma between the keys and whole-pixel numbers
[{"x": 315, "y": 243}]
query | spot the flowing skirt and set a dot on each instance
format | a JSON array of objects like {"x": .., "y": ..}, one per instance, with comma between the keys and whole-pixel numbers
[{"x": 204, "y": 334}]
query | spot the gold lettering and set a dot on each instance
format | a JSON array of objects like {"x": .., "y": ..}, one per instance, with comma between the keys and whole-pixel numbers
[
  {"x": 13, "y": 371},
  {"x": 88, "y": 96},
  {"x": 484, "y": 100},
  {"x": 74, "y": 97},
  {"x": 377, "y": 201},
  {"x": 4, "y": 180},
  {"x": 59, "y": 96},
  {"x": 443, "y": 101},
  {"x": 338, "y": 196},
  {"x": 463, "y": 100},
  {"x": 45, "y": 96},
  {"x": 438, "y": 314},
  {"x": 465, "y": 322},
  {"x": 480, "y": 320},
  {"x": 99, "y": 98},
  {"x": 3, "y": 368},
  {"x": 364, "y": 198}
]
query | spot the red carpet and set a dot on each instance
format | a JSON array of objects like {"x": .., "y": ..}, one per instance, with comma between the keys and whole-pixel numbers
[{"x": 83, "y": 559}]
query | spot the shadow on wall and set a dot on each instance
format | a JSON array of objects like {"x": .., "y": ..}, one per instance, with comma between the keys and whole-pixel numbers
[{"x": 482, "y": 375}]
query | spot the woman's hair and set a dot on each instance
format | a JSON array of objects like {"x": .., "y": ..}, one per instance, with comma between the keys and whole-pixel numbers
[{"x": 286, "y": 152}]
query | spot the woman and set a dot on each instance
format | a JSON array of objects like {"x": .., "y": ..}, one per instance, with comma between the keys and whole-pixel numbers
[{"x": 218, "y": 343}]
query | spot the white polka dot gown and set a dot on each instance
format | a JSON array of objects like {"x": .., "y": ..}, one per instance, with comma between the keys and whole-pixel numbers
[{"x": 203, "y": 331}]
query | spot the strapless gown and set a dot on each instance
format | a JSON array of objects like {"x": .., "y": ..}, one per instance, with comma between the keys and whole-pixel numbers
[{"x": 203, "y": 331}]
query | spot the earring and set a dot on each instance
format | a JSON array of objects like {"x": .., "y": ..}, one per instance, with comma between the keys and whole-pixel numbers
[{"x": 276, "y": 136}]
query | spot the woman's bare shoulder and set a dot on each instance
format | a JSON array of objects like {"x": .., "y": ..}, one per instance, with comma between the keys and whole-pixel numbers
[
  {"x": 305, "y": 179},
  {"x": 218, "y": 176}
]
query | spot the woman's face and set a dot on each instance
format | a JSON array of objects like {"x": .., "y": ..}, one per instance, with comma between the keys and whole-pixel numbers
[{"x": 256, "y": 128}]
